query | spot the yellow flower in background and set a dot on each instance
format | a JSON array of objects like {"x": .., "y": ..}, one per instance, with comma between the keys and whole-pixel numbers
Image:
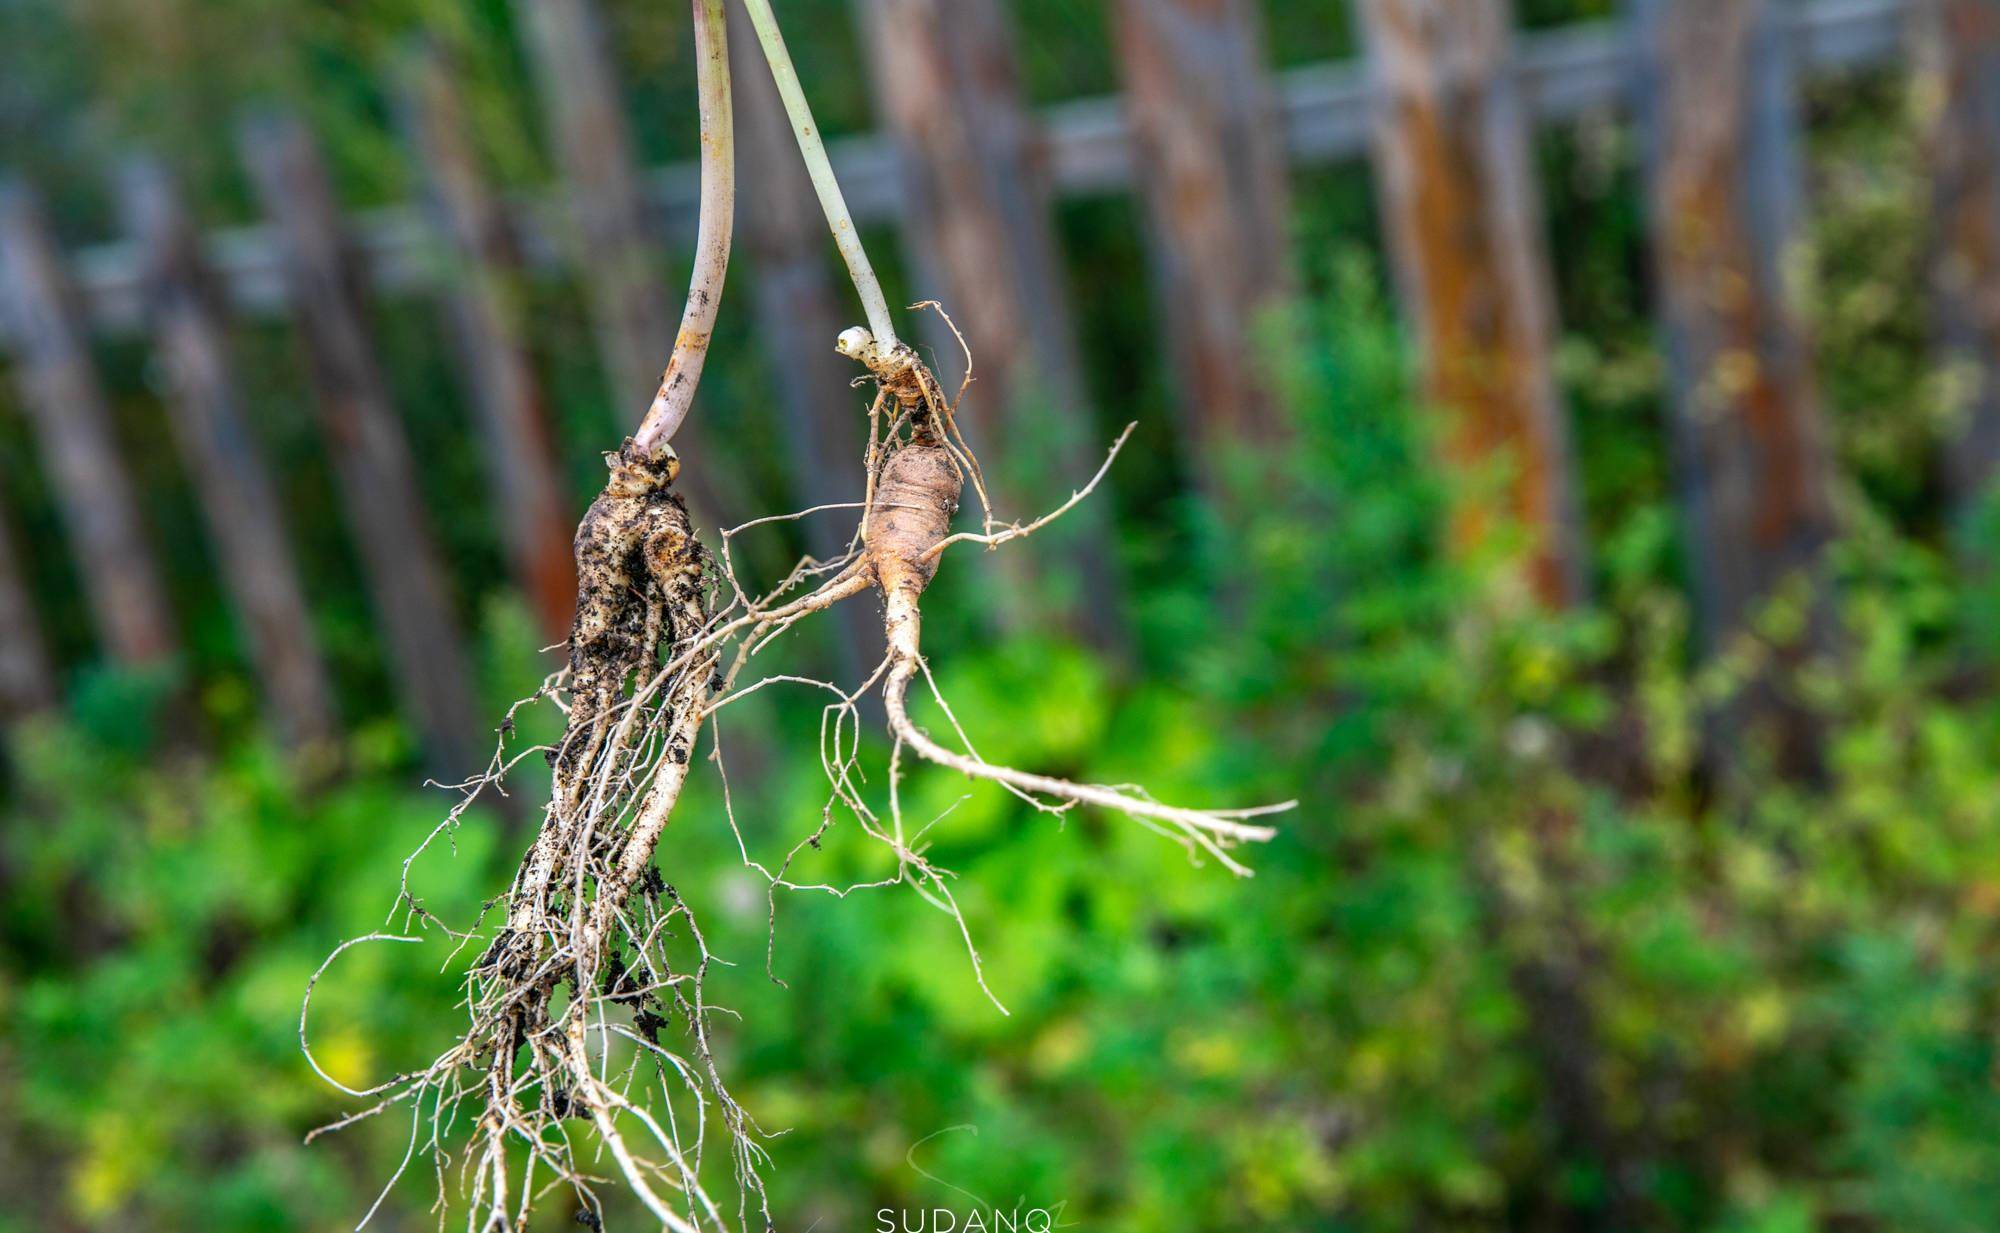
[
  {"x": 347, "y": 1056},
  {"x": 117, "y": 1155}
]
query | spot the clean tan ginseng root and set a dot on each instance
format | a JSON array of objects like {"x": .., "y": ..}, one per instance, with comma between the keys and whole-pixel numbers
[{"x": 917, "y": 479}]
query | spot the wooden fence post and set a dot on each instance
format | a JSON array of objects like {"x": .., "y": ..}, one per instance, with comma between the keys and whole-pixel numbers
[
  {"x": 488, "y": 317},
  {"x": 27, "y": 675},
  {"x": 800, "y": 311},
  {"x": 976, "y": 204},
  {"x": 1958, "y": 65},
  {"x": 1208, "y": 134},
  {"x": 232, "y": 482},
  {"x": 1724, "y": 186},
  {"x": 73, "y": 428},
  {"x": 371, "y": 456},
  {"x": 1454, "y": 168},
  {"x": 614, "y": 235}
]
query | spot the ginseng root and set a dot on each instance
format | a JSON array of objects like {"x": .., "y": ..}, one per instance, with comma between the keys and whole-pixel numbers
[
  {"x": 589, "y": 920},
  {"x": 917, "y": 475},
  {"x": 597, "y": 953}
]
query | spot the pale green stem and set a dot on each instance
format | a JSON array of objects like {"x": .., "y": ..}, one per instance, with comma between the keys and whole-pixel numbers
[
  {"x": 712, "y": 230},
  {"x": 806, "y": 132}
]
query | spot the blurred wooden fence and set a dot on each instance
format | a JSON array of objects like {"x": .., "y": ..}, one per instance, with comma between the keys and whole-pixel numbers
[{"x": 1444, "y": 104}]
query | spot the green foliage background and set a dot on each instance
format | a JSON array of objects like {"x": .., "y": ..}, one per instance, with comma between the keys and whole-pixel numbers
[{"x": 1517, "y": 962}]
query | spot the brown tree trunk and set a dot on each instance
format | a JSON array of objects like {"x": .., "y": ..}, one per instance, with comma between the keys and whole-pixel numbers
[
  {"x": 800, "y": 312},
  {"x": 232, "y": 482},
  {"x": 1457, "y": 180},
  {"x": 1958, "y": 59},
  {"x": 72, "y": 425},
  {"x": 613, "y": 231},
  {"x": 27, "y": 675},
  {"x": 1208, "y": 135},
  {"x": 1724, "y": 188},
  {"x": 371, "y": 457},
  {"x": 488, "y": 317}
]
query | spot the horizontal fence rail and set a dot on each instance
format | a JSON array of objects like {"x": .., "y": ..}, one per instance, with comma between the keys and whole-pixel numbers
[{"x": 1562, "y": 74}]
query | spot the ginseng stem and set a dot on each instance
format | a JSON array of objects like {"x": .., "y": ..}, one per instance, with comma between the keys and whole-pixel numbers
[
  {"x": 806, "y": 132},
  {"x": 712, "y": 231}
]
